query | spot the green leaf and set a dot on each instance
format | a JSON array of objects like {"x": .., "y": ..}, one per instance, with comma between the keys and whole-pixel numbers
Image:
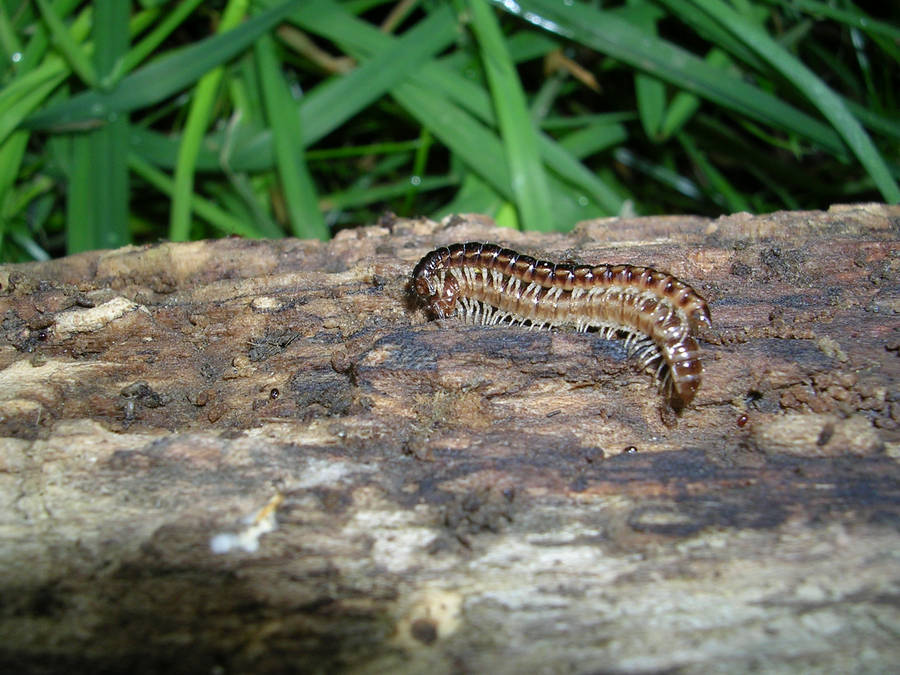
[
  {"x": 651, "y": 102},
  {"x": 194, "y": 128},
  {"x": 26, "y": 93},
  {"x": 852, "y": 17},
  {"x": 720, "y": 189},
  {"x": 520, "y": 143},
  {"x": 474, "y": 196},
  {"x": 441, "y": 83},
  {"x": 80, "y": 230},
  {"x": 594, "y": 138},
  {"x": 684, "y": 105},
  {"x": 363, "y": 196},
  {"x": 161, "y": 78},
  {"x": 218, "y": 218},
  {"x": 816, "y": 91},
  {"x": 297, "y": 186},
  {"x": 686, "y": 13},
  {"x": 172, "y": 20},
  {"x": 78, "y": 58},
  {"x": 579, "y": 177},
  {"x": 465, "y": 136},
  {"x": 329, "y": 105},
  {"x": 97, "y": 198},
  {"x": 11, "y": 153},
  {"x": 620, "y": 39},
  {"x": 39, "y": 40},
  {"x": 9, "y": 40},
  {"x": 99, "y": 211},
  {"x": 650, "y": 91}
]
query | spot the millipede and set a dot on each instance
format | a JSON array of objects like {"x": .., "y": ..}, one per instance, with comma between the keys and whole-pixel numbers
[{"x": 657, "y": 314}]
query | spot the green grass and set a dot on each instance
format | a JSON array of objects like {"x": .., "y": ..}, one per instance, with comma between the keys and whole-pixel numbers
[{"x": 133, "y": 122}]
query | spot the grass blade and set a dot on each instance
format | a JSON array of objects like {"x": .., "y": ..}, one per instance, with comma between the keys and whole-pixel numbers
[
  {"x": 108, "y": 181},
  {"x": 75, "y": 54},
  {"x": 685, "y": 104},
  {"x": 711, "y": 31},
  {"x": 520, "y": 144},
  {"x": 853, "y": 18},
  {"x": 39, "y": 41},
  {"x": 79, "y": 209},
  {"x": 328, "y": 106},
  {"x": 11, "y": 152},
  {"x": 418, "y": 169},
  {"x": 473, "y": 196},
  {"x": 594, "y": 138},
  {"x": 194, "y": 128},
  {"x": 360, "y": 196},
  {"x": 325, "y": 107},
  {"x": 297, "y": 186},
  {"x": 333, "y": 22},
  {"x": 720, "y": 188},
  {"x": 819, "y": 94},
  {"x": 480, "y": 149},
  {"x": 565, "y": 163},
  {"x": 649, "y": 91},
  {"x": 9, "y": 40},
  {"x": 161, "y": 78},
  {"x": 215, "y": 216},
  {"x": 25, "y": 94},
  {"x": 612, "y": 35},
  {"x": 97, "y": 195},
  {"x": 145, "y": 47}
]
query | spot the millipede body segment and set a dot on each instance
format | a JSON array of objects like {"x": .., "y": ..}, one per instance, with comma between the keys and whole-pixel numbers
[{"x": 658, "y": 314}]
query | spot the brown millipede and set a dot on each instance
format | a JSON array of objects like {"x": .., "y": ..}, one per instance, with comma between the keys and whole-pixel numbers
[{"x": 657, "y": 313}]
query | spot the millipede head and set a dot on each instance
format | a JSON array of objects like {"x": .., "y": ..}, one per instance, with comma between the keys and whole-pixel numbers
[
  {"x": 438, "y": 291},
  {"x": 443, "y": 303}
]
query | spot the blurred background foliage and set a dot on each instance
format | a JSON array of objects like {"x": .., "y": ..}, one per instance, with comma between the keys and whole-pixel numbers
[{"x": 126, "y": 122}]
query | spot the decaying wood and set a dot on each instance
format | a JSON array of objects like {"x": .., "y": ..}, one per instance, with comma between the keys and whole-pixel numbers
[{"x": 450, "y": 498}]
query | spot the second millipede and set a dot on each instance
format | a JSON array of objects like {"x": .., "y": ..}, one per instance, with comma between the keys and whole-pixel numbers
[{"x": 658, "y": 314}]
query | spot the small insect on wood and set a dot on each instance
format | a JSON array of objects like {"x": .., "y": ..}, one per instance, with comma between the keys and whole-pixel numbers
[{"x": 657, "y": 314}]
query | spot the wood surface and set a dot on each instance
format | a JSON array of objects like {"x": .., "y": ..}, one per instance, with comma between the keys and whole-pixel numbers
[{"x": 432, "y": 497}]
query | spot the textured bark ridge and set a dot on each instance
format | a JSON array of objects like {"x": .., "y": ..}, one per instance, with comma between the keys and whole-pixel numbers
[{"x": 244, "y": 456}]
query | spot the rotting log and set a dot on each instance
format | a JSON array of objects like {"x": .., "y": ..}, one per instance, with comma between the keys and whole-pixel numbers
[{"x": 451, "y": 498}]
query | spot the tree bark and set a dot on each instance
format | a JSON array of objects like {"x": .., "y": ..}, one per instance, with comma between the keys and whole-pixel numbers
[{"x": 262, "y": 456}]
